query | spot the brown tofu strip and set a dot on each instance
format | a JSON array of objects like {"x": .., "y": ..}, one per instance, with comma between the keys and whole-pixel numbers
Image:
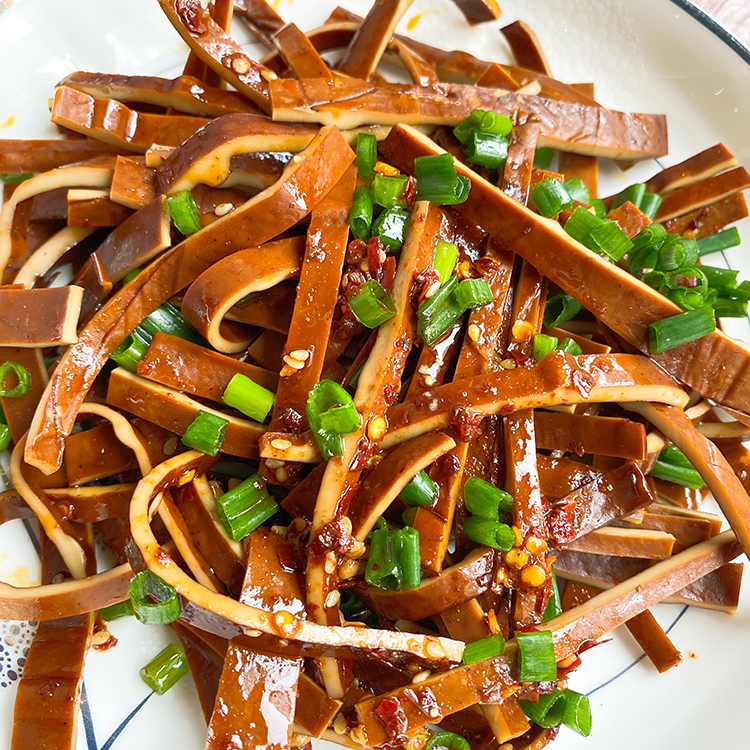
[
  {"x": 260, "y": 18},
  {"x": 266, "y": 351},
  {"x": 604, "y": 436},
  {"x": 351, "y": 103},
  {"x": 114, "y": 123},
  {"x": 211, "y": 44},
  {"x": 39, "y": 317},
  {"x": 519, "y": 165},
  {"x": 522, "y": 478},
  {"x": 36, "y": 156},
  {"x": 221, "y": 12},
  {"x": 383, "y": 484},
  {"x": 183, "y": 365},
  {"x": 703, "y": 193},
  {"x": 694, "y": 169},
  {"x": 715, "y": 365},
  {"x": 184, "y": 93},
  {"x": 299, "y": 53},
  {"x": 20, "y": 411},
  {"x": 314, "y": 710},
  {"x": 560, "y": 476},
  {"x": 708, "y": 220},
  {"x": 456, "y": 585},
  {"x": 525, "y": 47},
  {"x": 433, "y": 362},
  {"x": 259, "y": 220},
  {"x": 133, "y": 183},
  {"x": 684, "y": 497},
  {"x": 479, "y": 11},
  {"x": 207, "y": 159},
  {"x": 93, "y": 504},
  {"x": 231, "y": 279},
  {"x": 606, "y": 497},
  {"x": 96, "y": 285},
  {"x": 629, "y": 218},
  {"x": 555, "y": 380},
  {"x": 419, "y": 71},
  {"x": 643, "y": 627},
  {"x": 54, "y": 670},
  {"x": 368, "y": 44},
  {"x": 94, "y": 208},
  {"x": 272, "y": 309},
  {"x": 642, "y": 543},
  {"x": 587, "y": 345},
  {"x": 174, "y": 411},
  {"x": 495, "y": 75},
  {"x": 95, "y": 454},
  {"x": 686, "y": 531},
  {"x": 137, "y": 240}
]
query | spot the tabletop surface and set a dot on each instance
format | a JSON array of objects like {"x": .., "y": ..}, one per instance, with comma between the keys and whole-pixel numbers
[{"x": 733, "y": 15}]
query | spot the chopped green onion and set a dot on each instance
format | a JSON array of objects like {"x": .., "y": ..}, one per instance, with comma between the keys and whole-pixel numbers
[
  {"x": 486, "y": 149},
  {"x": 691, "y": 278},
  {"x": 720, "y": 241},
  {"x": 654, "y": 279},
  {"x": 390, "y": 226},
  {"x": 680, "y": 329},
  {"x": 206, "y": 433},
  {"x": 687, "y": 477},
  {"x": 164, "y": 610},
  {"x": 536, "y": 656},
  {"x": 577, "y": 714},
  {"x": 247, "y": 396},
  {"x": 485, "y": 648},
  {"x": 543, "y": 158},
  {"x": 22, "y": 375},
  {"x": 184, "y": 212},
  {"x": 554, "y": 606},
  {"x": 569, "y": 346},
  {"x": 446, "y": 255},
  {"x": 409, "y": 515},
  {"x": 5, "y": 436},
  {"x": 367, "y": 154},
  {"x": 600, "y": 210},
  {"x": 132, "y": 350},
  {"x": 437, "y": 180},
  {"x": 560, "y": 309},
  {"x": 130, "y": 275},
  {"x": 329, "y": 398},
  {"x": 633, "y": 193},
  {"x": 543, "y": 345},
  {"x": 550, "y": 197},
  {"x": 671, "y": 256},
  {"x": 730, "y": 308},
  {"x": 411, "y": 564},
  {"x": 741, "y": 292},
  {"x": 687, "y": 299},
  {"x": 372, "y": 305},
  {"x": 674, "y": 455},
  {"x": 489, "y": 533},
  {"x": 548, "y": 711},
  {"x": 245, "y": 507},
  {"x": 649, "y": 236},
  {"x": 580, "y": 225},
  {"x": 722, "y": 279},
  {"x": 447, "y": 740},
  {"x": 360, "y": 217},
  {"x": 383, "y": 563},
  {"x": 577, "y": 190},
  {"x": 117, "y": 611},
  {"x": 609, "y": 238},
  {"x": 421, "y": 490},
  {"x": 168, "y": 318},
  {"x": 485, "y": 500},
  {"x": 343, "y": 416},
  {"x": 165, "y": 669},
  {"x": 472, "y": 293},
  {"x": 352, "y": 607},
  {"x": 483, "y": 121},
  {"x": 387, "y": 191},
  {"x": 650, "y": 204},
  {"x": 11, "y": 178},
  {"x": 438, "y": 313}
]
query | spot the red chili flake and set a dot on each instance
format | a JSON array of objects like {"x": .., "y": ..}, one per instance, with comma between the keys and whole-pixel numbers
[
  {"x": 561, "y": 523},
  {"x": 356, "y": 252},
  {"x": 162, "y": 557},
  {"x": 582, "y": 382},
  {"x": 507, "y": 409},
  {"x": 190, "y": 13},
  {"x": 486, "y": 266},
  {"x": 375, "y": 256},
  {"x": 85, "y": 224},
  {"x": 388, "y": 273},
  {"x": 391, "y": 713},
  {"x": 409, "y": 193},
  {"x": 427, "y": 280},
  {"x": 466, "y": 422}
]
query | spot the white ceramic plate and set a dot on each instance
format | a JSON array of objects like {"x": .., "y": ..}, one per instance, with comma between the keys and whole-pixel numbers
[{"x": 643, "y": 55}]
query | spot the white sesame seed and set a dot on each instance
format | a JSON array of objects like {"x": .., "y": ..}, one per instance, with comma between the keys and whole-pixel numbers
[
  {"x": 333, "y": 599},
  {"x": 282, "y": 475},
  {"x": 421, "y": 676},
  {"x": 274, "y": 463},
  {"x": 432, "y": 289},
  {"x": 300, "y": 355},
  {"x": 281, "y": 444},
  {"x": 293, "y": 363},
  {"x": 223, "y": 209}
]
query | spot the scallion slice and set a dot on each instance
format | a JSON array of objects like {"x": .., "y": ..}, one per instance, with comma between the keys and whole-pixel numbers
[
  {"x": 447, "y": 740},
  {"x": 438, "y": 182},
  {"x": 650, "y": 204},
  {"x": 390, "y": 226},
  {"x": 372, "y": 305},
  {"x": 485, "y": 500},
  {"x": 367, "y": 154},
  {"x": 577, "y": 190},
  {"x": 147, "y": 585},
  {"x": 729, "y": 308},
  {"x": 550, "y": 197},
  {"x": 543, "y": 345},
  {"x": 383, "y": 563},
  {"x": 489, "y": 533},
  {"x": 610, "y": 239},
  {"x": 669, "y": 333},
  {"x": 543, "y": 158},
  {"x": 536, "y": 656},
  {"x": 206, "y": 433},
  {"x": 421, "y": 490},
  {"x": 22, "y": 376},
  {"x": 438, "y": 313},
  {"x": 559, "y": 309},
  {"x": 569, "y": 346},
  {"x": 165, "y": 669},
  {"x": 554, "y": 605},
  {"x": 486, "y": 149},
  {"x": 245, "y": 507},
  {"x": 132, "y": 350},
  {"x": 548, "y": 711},
  {"x": 633, "y": 193},
  {"x": 184, "y": 212},
  {"x": 117, "y": 611},
  {"x": 720, "y": 241},
  {"x": 580, "y": 225},
  {"x": 446, "y": 255},
  {"x": 387, "y": 191},
  {"x": 12, "y": 178},
  {"x": 674, "y": 466},
  {"x": 471, "y": 293},
  {"x": 247, "y": 396},
  {"x": 5, "y": 436},
  {"x": 168, "y": 318},
  {"x": 411, "y": 564},
  {"x": 600, "y": 210},
  {"x": 360, "y": 217},
  {"x": 483, "y": 121},
  {"x": 486, "y": 648},
  {"x": 328, "y": 397},
  {"x": 577, "y": 714}
]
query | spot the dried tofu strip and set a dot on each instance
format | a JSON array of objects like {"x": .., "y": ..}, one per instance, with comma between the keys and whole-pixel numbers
[
  {"x": 557, "y": 379},
  {"x": 686, "y": 530},
  {"x": 396, "y": 469},
  {"x": 694, "y": 169},
  {"x": 419, "y": 71},
  {"x": 684, "y": 497},
  {"x": 368, "y": 44},
  {"x": 641, "y": 543},
  {"x": 175, "y": 411},
  {"x": 526, "y": 47},
  {"x": 86, "y": 504},
  {"x": 630, "y": 219},
  {"x": 260, "y": 18},
  {"x": 529, "y": 298},
  {"x": 478, "y": 11},
  {"x": 184, "y": 93},
  {"x": 263, "y": 217},
  {"x": 272, "y": 309},
  {"x": 96, "y": 285},
  {"x": 49, "y": 253},
  {"x": 94, "y": 208},
  {"x": 221, "y": 12},
  {"x": 225, "y": 283},
  {"x": 643, "y": 627},
  {"x": 561, "y": 476},
  {"x": 95, "y": 454},
  {"x": 314, "y": 711},
  {"x": 708, "y": 220},
  {"x": 455, "y": 585},
  {"x": 585, "y": 168},
  {"x": 228, "y": 612},
  {"x": 568, "y": 126},
  {"x": 36, "y": 156},
  {"x": 520, "y": 162},
  {"x": 218, "y": 50},
  {"x": 299, "y": 53},
  {"x": 207, "y": 159},
  {"x": 109, "y": 121},
  {"x": 715, "y": 365},
  {"x": 133, "y": 183},
  {"x": 19, "y": 411},
  {"x": 604, "y": 436},
  {"x": 699, "y": 194},
  {"x": 39, "y": 317},
  {"x": 185, "y": 366}
]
